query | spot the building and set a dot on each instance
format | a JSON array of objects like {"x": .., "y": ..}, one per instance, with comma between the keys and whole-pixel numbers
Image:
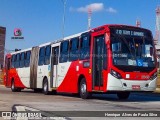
[{"x": 2, "y": 44}]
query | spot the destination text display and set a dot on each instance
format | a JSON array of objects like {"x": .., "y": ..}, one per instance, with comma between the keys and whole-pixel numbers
[{"x": 129, "y": 32}]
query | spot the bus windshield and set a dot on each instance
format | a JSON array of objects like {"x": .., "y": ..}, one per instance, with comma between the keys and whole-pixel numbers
[{"x": 132, "y": 51}]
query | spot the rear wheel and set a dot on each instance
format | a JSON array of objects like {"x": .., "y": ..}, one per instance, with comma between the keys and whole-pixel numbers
[
  {"x": 13, "y": 88},
  {"x": 84, "y": 94},
  {"x": 123, "y": 95},
  {"x": 45, "y": 87}
]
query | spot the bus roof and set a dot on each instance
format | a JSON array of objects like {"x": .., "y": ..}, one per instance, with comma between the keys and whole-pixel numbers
[
  {"x": 24, "y": 50},
  {"x": 122, "y": 25},
  {"x": 69, "y": 37}
]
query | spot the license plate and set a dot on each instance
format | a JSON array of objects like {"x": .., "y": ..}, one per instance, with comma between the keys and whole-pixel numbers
[{"x": 135, "y": 87}]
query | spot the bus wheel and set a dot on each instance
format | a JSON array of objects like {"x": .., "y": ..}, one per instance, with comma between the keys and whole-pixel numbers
[
  {"x": 123, "y": 95},
  {"x": 13, "y": 88},
  {"x": 84, "y": 94},
  {"x": 45, "y": 87}
]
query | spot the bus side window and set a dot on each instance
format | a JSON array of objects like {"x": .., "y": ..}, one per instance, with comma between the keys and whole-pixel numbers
[
  {"x": 27, "y": 58},
  {"x": 74, "y": 49},
  {"x": 15, "y": 61},
  {"x": 85, "y": 46},
  {"x": 12, "y": 61},
  {"x": 22, "y": 60},
  {"x": 64, "y": 52},
  {"x": 17, "y": 58},
  {"x": 56, "y": 55},
  {"x": 18, "y": 61},
  {"x": 41, "y": 56},
  {"x": 47, "y": 55}
]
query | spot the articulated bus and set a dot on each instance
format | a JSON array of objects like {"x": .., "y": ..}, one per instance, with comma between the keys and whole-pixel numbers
[{"x": 117, "y": 59}]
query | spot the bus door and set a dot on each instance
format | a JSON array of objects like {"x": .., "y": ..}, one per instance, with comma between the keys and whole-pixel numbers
[
  {"x": 33, "y": 67},
  {"x": 54, "y": 66},
  {"x": 99, "y": 61}
]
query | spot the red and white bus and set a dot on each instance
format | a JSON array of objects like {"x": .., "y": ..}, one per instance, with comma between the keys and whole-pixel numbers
[{"x": 108, "y": 59}]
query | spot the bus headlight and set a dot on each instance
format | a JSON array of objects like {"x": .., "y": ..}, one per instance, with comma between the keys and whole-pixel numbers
[
  {"x": 115, "y": 74},
  {"x": 153, "y": 76}
]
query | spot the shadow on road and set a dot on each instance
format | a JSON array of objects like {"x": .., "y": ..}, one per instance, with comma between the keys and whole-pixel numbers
[{"x": 134, "y": 97}]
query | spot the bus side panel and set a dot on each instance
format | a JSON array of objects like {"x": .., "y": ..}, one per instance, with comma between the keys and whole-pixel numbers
[
  {"x": 24, "y": 74},
  {"x": 13, "y": 75},
  {"x": 42, "y": 71},
  {"x": 63, "y": 69},
  {"x": 70, "y": 81},
  {"x": 87, "y": 73}
]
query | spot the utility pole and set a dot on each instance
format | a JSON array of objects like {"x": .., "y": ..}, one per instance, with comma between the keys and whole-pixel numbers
[
  {"x": 64, "y": 13},
  {"x": 89, "y": 18}
]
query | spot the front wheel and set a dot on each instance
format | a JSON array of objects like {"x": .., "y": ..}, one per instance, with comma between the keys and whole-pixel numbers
[
  {"x": 123, "y": 95},
  {"x": 84, "y": 94}
]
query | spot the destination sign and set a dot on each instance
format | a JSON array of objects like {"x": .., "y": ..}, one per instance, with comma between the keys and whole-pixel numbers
[{"x": 129, "y": 32}]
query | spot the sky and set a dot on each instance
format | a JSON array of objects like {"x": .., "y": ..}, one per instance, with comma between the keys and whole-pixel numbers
[{"x": 41, "y": 21}]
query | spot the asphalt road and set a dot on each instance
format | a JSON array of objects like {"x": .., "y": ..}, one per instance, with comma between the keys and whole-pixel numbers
[{"x": 66, "y": 102}]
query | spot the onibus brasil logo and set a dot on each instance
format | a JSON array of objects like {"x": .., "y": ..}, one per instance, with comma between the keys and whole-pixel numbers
[{"x": 17, "y": 34}]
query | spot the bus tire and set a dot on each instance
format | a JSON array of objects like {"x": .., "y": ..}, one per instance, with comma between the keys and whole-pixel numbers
[
  {"x": 123, "y": 95},
  {"x": 13, "y": 88},
  {"x": 84, "y": 94},
  {"x": 45, "y": 87}
]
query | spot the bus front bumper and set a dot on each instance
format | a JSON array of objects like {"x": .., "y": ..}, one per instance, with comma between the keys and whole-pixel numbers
[{"x": 115, "y": 84}]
